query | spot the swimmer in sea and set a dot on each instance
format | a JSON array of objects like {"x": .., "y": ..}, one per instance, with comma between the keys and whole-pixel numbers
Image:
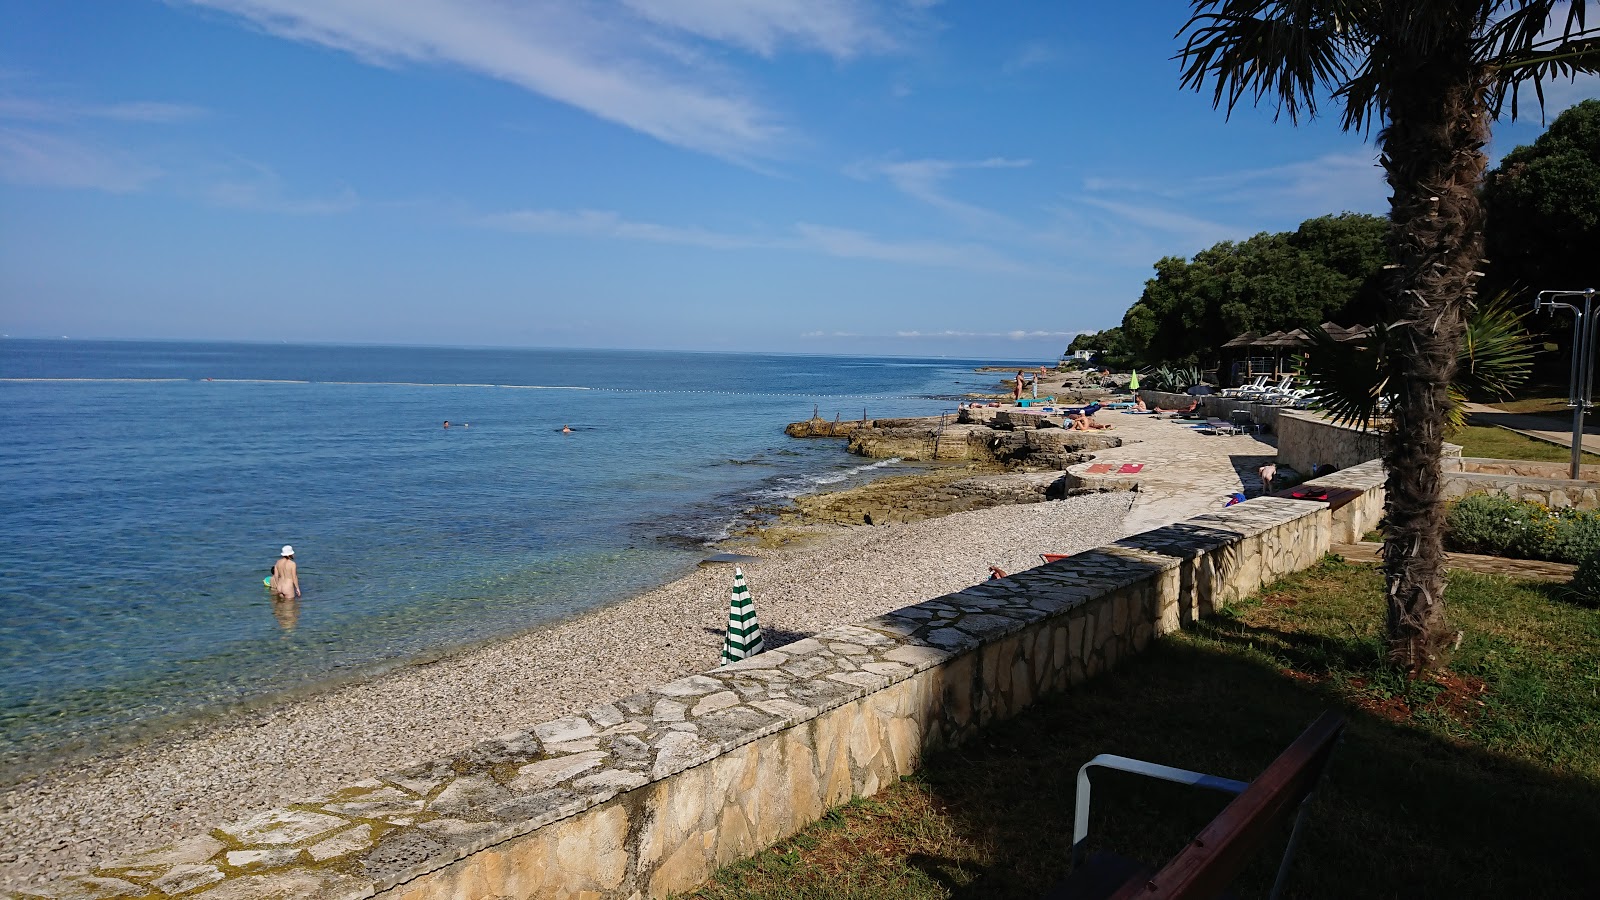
[
  {"x": 566, "y": 429},
  {"x": 447, "y": 423}
]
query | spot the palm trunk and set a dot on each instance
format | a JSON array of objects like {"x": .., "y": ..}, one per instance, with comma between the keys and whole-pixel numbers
[{"x": 1432, "y": 153}]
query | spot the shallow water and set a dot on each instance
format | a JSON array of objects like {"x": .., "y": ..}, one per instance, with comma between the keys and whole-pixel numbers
[{"x": 147, "y": 488}]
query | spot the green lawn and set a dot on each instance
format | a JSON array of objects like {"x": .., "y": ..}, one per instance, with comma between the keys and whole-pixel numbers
[
  {"x": 1484, "y": 783},
  {"x": 1548, "y": 406},
  {"x": 1498, "y": 443}
]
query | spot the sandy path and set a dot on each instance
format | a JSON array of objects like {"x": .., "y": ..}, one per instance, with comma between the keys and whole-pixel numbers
[{"x": 70, "y": 820}]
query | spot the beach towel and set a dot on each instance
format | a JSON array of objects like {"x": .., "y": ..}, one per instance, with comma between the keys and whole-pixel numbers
[
  {"x": 1234, "y": 498},
  {"x": 1100, "y": 468},
  {"x": 1130, "y": 468}
]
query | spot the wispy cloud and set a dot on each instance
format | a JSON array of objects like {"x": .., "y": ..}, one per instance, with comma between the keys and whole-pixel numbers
[
  {"x": 924, "y": 180},
  {"x": 849, "y": 244},
  {"x": 1186, "y": 228},
  {"x": 261, "y": 190},
  {"x": 840, "y": 28},
  {"x": 592, "y": 223},
  {"x": 141, "y": 111},
  {"x": 842, "y": 243},
  {"x": 41, "y": 159},
  {"x": 1033, "y": 55},
  {"x": 1329, "y": 183},
  {"x": 634, "y": 64}
]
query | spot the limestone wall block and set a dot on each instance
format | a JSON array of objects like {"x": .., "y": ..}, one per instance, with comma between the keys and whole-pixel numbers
[{"x": 1119, "y": 613}]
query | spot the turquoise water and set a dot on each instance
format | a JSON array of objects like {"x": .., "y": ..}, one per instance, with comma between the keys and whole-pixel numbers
[{"x": 147, "y": 488}]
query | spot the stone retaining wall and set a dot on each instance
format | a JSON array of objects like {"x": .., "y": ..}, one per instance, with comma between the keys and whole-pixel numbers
[
  {"x": 1540, "y": 482},
  {"x": 1307, "y": 440},
  {"x": 651, "y": 793}
]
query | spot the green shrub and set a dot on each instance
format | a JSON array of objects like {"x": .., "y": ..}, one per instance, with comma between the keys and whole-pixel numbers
[
  {"x": 1585, "y": 583},
  {"x": 1499, "y": 526}
]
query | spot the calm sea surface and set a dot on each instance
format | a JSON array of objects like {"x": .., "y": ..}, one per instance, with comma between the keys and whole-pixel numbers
[{"x": 145, "y": 489}]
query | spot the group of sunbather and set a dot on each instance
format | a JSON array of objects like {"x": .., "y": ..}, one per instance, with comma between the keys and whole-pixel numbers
[{"x": 1140, "y": 407}]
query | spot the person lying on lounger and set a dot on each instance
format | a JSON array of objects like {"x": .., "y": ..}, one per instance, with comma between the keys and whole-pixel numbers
[
  {"x": 1082, "y": 422},
  {"x": 1187, "y": 409}
]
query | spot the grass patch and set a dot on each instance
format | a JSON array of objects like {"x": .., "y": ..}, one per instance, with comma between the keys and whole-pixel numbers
[
  {"x": 1498, "y": 443},
  {"x": 1539, "y": 406},
  {"x": 1482, "y": 783}
]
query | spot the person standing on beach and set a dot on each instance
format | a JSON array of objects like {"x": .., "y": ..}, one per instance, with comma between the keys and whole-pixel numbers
[
  {"x": 285, "y": 576},
  {"x": 1016, "y": 387}
]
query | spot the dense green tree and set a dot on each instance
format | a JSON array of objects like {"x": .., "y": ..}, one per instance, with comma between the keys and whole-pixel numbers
[
  {"x": 1110, "y": 347},
  {"x": 1543, "y": 204},
  {"x": 1327, "y": 269},
  {"x": 1433, "y": 73}
]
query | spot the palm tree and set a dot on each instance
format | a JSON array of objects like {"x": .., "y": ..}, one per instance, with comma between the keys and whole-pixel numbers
[{"x": 1432, "y": 74}]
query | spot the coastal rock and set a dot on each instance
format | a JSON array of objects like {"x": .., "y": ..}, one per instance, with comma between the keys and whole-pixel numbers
[{"x": 913, "y": 498}]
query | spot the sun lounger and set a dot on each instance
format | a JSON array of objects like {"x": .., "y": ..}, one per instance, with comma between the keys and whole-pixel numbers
[{"x": 1220, "y": 427}]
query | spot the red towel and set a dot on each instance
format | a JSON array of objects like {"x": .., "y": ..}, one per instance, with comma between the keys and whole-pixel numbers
[
  {"x": 1100, "y": 468},
  {"x": 1130, "y": 468}
]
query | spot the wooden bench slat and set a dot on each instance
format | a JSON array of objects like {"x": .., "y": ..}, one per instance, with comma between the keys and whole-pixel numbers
[{"x": 1215, "y": 857}]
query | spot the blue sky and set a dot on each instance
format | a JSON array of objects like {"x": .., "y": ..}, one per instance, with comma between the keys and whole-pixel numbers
[{"x": 897, "y": 176}]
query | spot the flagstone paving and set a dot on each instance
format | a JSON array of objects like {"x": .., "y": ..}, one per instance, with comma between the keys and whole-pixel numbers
[{"x": 1185, "y": 474}]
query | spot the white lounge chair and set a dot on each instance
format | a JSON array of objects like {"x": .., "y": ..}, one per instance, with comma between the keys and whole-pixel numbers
[{"x": 1260, "y": 384}]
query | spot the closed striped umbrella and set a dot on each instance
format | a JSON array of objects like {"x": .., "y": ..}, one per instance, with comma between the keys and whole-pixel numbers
[{"x": 744, "y": 632}]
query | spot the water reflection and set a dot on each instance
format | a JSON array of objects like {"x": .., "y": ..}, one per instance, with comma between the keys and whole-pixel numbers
[{"x": 287, "y": 612}]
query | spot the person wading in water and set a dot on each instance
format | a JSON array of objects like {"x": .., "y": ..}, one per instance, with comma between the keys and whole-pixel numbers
[{"x": 285, "y": 576}]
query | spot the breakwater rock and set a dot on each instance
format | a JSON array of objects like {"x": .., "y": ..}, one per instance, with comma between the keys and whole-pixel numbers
[
  {"x": 820, "y": 427},
  {"x": 1022, "y": 439},
  {"x": 912, "y": 498},
  {"x": 1048, "y": 448}
]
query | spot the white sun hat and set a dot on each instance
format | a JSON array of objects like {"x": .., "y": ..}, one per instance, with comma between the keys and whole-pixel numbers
[{"x": 288, "y": 550}]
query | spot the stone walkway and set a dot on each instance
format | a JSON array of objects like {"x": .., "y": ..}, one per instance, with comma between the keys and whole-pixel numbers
[
  {"x": 1536, "y": 427},
  {"x": 1369, "y": 552},
  {"x": 1186, "y": 473}
]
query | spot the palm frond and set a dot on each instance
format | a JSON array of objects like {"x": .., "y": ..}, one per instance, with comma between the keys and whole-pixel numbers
[
  {"x": 1284, "y": 50},
  {"x": 1497, "y": 354},
  {"x": 1348, "y": 378}
]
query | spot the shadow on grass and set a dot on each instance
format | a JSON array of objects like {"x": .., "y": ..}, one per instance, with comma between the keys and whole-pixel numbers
[{"x": 1402, "y": 812}]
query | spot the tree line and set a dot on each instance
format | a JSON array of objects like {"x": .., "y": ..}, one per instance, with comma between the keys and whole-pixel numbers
[{"x": 1542, "y": 230}]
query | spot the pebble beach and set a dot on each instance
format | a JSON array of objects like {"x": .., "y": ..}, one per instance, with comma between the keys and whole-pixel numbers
[{"x": 95, "y": 810}]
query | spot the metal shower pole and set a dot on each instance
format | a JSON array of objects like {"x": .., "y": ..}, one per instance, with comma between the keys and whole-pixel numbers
[{"x": 1580, "y": 393}]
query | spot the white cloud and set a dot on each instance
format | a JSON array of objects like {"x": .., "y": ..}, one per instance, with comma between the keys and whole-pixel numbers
[
  {"x": 46, "y": 160},
  {"x": 840, "y": 28},
  {"x": 1187, "y": 228},
  {"x": 1330, "y": 183},
  {"x": 627, "y": 64},
  {"x": 842, "y": 243},
  {"x": 1562, "y": 94},
  {"x": 923, "y": 179}
]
